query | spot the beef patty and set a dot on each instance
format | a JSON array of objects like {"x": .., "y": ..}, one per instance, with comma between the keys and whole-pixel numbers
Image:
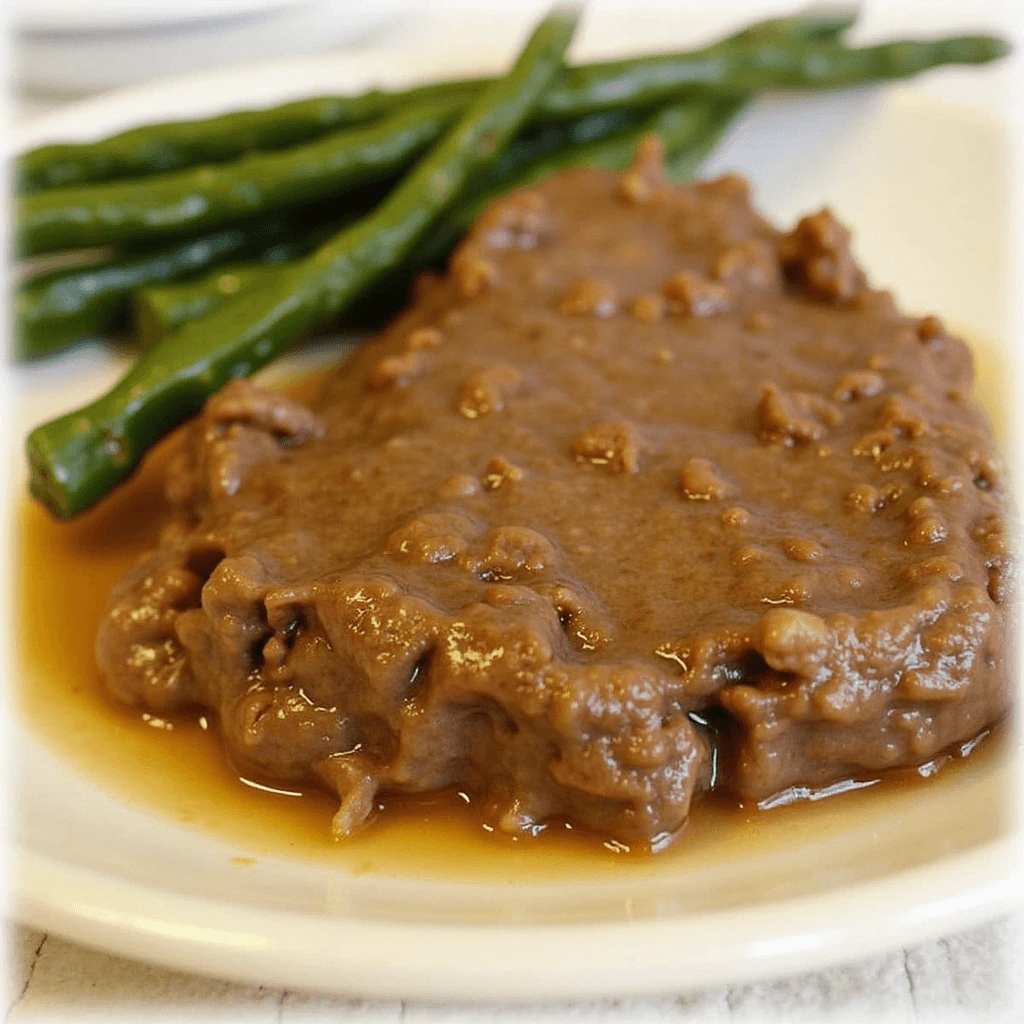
[{"x": 643, "y": 497}]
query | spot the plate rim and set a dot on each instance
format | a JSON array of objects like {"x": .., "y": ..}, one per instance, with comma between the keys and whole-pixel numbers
[{"x": 451, "y": 962}]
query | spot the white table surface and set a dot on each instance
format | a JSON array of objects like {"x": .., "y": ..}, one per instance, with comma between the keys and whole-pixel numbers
[{"x": 967, "y": 977}]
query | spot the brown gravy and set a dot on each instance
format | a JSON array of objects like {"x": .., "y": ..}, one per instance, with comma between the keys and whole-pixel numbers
[{"x": 178, "y": 768}]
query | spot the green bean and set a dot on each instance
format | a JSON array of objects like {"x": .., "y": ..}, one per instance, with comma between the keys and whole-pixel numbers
[
  {"x": 59, "y": 308},
  {"x": 205, "y": 198},
  {"x": 683, "y": 164},
  {"x": 68, "y": 305},
  {"x": 554, "y": 137},
  {"x": 750, "y": 67},
  {"x": 159, "y": 310},
  {"x": 160, "y": 148},
  {"x": 166, "y": 147},
  {"x": 818, "y": 22},
  {"x": 54, "y": 310},
  {"x": 171, "y": 146},
  {"x": 77, "y": 458},
  {"x": 690, "y": 128},
  {"x": 821, "y": 23}
]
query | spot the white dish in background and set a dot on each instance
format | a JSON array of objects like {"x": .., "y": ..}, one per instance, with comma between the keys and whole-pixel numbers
[
  {"x": 63, "y": 16},
  {"x": 925, "y": 186},
  {"x": 79, "y": 48}
]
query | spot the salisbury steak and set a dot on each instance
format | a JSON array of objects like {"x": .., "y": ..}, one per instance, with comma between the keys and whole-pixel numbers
[{"x": 643, "y": 497}]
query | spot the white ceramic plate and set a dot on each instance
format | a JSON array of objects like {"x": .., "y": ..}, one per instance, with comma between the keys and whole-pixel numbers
[{"x": 926, "y": 186}]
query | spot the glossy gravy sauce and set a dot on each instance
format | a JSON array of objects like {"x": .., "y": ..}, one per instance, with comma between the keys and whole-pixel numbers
[{"x": 177, "y": 768}]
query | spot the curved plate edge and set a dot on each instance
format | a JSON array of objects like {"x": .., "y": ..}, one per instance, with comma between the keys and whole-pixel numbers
[{"x": 358, "y": 958}]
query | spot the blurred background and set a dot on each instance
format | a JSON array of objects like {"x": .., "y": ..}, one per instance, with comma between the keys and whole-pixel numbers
[{"x": 68, "y": 49}]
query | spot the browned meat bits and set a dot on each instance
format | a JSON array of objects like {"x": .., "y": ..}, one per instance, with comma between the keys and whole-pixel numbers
[{"x": 644, "y": 497}]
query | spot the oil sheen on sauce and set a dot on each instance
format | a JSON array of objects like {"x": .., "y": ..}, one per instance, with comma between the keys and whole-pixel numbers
[{"x": 177, "y": 768}]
